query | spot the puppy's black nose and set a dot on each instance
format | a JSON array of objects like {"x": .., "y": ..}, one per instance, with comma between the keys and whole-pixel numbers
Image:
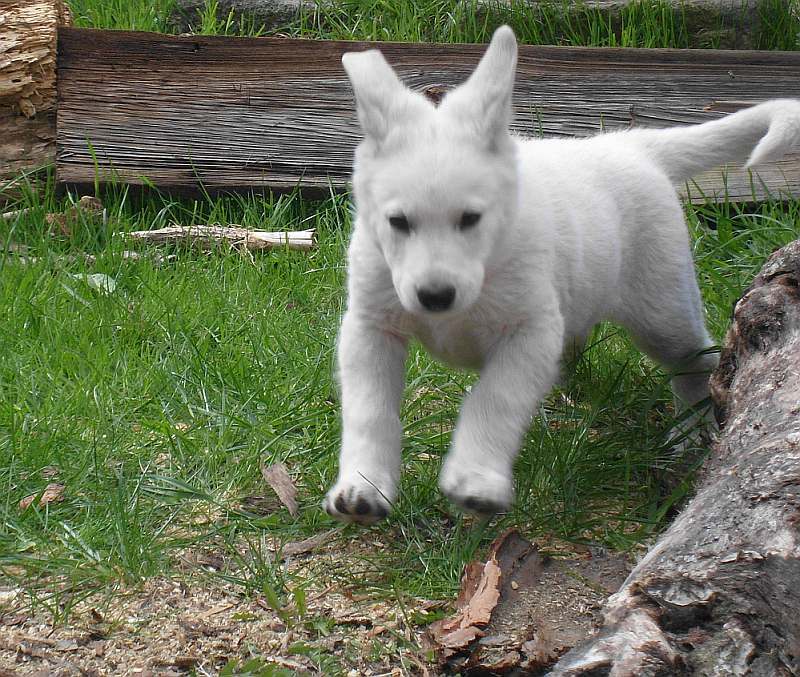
[{"x": 436, "y": 298}]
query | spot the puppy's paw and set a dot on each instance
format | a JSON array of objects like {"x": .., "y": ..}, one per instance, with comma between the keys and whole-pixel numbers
[
  {"x": 477, "y": 489},
  {"x": 357, "y": 499}
]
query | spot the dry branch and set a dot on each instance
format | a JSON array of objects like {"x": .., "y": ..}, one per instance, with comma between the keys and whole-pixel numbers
[
  {"x": 246, "y": 114},
  {"x": 211, "y": 237},
  {"x": 719, "y": 593},
  {"x": 28, "y": 82}
]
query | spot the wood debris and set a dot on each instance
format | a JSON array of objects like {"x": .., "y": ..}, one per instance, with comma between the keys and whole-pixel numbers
[
  {"x": 717, "y": 594},
  {"x": 233, "y": 235},
  {"x": 87, "y": 209}
]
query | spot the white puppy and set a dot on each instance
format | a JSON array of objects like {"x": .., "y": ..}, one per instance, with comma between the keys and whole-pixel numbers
[{"x": 498, "y": 253}]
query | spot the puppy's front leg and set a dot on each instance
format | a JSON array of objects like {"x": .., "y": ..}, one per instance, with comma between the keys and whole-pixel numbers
[
  {"x": 371, "y": 372},
  {"x": 478, "y": 472}
]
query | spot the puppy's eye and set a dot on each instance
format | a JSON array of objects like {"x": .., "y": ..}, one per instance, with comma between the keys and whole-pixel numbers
[
  {"x": 400, "y": 223},
  {"x": 468, "y": 220}
]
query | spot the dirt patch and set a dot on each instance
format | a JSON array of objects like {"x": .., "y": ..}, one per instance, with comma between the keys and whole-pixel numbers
[
  {"x": 531, "y": 608},
  {"x": 200, "y": 623}
]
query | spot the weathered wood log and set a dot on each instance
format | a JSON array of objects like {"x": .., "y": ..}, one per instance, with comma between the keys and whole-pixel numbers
[
  {"x": 28, "y": 82},
  {"x": 254, "y": 113},
  {"x": 244, "y": 15},
  {"x": 723, "y": 24},
  {"x": 719, "y": 592},
  {"x": 211, "y": 237}
]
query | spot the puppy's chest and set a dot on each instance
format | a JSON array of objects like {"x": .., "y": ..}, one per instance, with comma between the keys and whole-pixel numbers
[{"x": 463, "y": 342}]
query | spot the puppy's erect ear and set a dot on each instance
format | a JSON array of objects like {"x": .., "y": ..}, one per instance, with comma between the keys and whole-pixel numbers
[
  {"x": 483, "y": 102},
  {"x": 381, "y": 99}
]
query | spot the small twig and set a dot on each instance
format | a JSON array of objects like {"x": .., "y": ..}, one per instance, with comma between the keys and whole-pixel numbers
[
  {"x": 15, "y": 213},
  {"x": 209, "y": 237}
]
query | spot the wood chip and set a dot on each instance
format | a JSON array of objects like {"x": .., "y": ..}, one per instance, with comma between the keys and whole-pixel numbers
[
  {"x": 88, "y": 208},
  {"x": 277, "y": 476},
  {"x": 98, "y": 647}
]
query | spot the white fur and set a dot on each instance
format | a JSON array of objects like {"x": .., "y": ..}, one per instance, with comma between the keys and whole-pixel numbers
[{"x": 571, "y": 232}]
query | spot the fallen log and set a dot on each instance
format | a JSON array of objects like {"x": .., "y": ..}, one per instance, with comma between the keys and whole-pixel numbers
[
  {"x": 211, "y": 237},
  {"x": 719, "y": 592},
  {"x": 244, "y": 114},
  {"x": 28, "y": 82},
  {"x": 245, "y": 16},
  {"x": 724, "y": 24}
]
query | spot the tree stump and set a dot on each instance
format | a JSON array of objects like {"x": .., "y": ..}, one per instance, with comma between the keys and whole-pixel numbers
[
  {"x": 719, "y": 592},
  {"x": 28, "y": 82}
]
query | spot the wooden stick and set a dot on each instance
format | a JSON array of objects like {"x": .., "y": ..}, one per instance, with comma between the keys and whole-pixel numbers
[
  {"x": 210, "y": 237},
  {"x": 15, "y": 213}
]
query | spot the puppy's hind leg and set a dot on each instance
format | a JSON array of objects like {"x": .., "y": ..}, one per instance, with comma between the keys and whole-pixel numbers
[{"x": 665, "y": 318}]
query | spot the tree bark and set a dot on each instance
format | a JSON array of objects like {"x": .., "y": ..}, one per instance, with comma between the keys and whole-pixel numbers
[
  {"x": 28, "y": 82},
  {"x": 719, "y": 593}
]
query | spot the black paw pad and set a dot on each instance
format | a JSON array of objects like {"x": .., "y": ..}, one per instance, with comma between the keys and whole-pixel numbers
[
  {"x": 482, "y": 505},
  {"x": 362, "y": 506}
]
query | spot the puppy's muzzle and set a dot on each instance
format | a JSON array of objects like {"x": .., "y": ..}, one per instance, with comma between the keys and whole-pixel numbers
[{"x": 437, "y": 299}]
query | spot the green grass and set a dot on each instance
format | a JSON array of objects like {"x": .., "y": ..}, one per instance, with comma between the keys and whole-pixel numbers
[{"x": 155, "y": 404}]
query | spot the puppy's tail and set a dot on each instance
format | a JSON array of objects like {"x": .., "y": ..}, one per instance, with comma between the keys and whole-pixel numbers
[{"x": 759, "y": 134}]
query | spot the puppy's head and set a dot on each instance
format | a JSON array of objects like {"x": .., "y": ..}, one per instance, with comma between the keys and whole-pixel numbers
[{"x": 436, "y": 186}]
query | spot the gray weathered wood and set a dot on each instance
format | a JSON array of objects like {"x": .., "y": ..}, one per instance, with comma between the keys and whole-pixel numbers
[
  {"x": 244, "y": 15},
  {"x": 244, "y": 113},
  {"x": 719, "y": 593},
  {"x": 724, "y": 24}
]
